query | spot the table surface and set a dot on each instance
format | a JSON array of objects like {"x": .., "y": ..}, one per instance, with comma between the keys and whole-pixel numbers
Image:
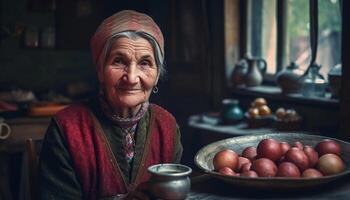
[
  {"x": 238, "y": 129},
  {"x": 196, "y": 121},
  {"x": 210, "y": 188},
  {"x": 21, "y": 129}
]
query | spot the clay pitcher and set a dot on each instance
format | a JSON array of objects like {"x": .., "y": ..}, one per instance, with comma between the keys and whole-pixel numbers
[
  {"x": 256, "y": 70},
  {"x": 239, "y": 73}
]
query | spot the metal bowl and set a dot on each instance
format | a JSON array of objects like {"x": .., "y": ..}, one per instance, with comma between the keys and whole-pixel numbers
[
  {"x": 169, "y": 181},
  {"x": 204, "y": 160}
]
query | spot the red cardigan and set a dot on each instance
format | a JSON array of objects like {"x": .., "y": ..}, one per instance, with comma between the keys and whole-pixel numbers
[{"x": 93, "y": 160}]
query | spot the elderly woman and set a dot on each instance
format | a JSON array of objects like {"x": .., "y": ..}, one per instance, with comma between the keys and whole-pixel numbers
[{"x": 102, "y": 148}]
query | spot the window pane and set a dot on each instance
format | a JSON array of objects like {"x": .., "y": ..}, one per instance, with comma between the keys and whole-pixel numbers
[
  {"x": 298, "y": 27},
  {"x": 329, "y": 41},
  {"x": 298, "y": 39},
  {"x": 262, "y": 32},
  {"x": 269, "y": 35}
]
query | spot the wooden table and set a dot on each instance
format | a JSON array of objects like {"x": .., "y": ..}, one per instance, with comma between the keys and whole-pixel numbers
[
  {"x": 21, "y": 129},
  {"x": 209, "y": 188}
]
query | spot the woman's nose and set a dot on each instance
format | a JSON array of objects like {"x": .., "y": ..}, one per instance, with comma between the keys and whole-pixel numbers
[{"x": 132, "y": 74}]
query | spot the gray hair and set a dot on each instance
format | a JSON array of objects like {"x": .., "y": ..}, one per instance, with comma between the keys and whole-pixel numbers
[{"x": 135, "y": 35}]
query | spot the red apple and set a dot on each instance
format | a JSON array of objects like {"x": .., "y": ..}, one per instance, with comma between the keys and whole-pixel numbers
[
  {"x": 246, "y": 167},
  {"x": 298, "y": 157},
  {"x": 328, "y": 146},
  {"x": 250, "y": 153},
  {"x": 269, "y": 148},
  {"x": 298, "y": 144},
  {"x": 311, "y": 154},
  {"x": 241, "y": 162},
  {"x": 330, "y": 164},
  {"x": 264, "y": 167},
  {"x": 225, "y": 158},
  {"x": 285, "y": 146},
  {"x": 227, "y": 171},
  {"x": 288, "y": 169},
  {"x": 249, "y": 174},
  {"x": 311, "y": 173}
]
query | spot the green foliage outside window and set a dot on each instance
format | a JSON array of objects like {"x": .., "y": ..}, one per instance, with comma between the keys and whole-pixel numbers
[{"x": 298, "y": 16}]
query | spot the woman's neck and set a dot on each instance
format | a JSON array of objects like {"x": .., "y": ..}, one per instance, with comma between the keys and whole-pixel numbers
[{"x": 127, "y": 112}]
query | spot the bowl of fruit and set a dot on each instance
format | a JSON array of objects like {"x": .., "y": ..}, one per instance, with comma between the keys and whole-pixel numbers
[
  {"x": 259, "y": 114},
  {"x": 287, "y": 119},
  {"x": 276, "y": 160}
]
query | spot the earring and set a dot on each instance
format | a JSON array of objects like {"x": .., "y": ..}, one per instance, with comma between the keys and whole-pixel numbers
[{"x": 155, "y": 90}]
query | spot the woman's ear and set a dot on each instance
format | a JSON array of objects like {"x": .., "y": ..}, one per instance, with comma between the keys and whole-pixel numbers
[{"x": 156, "y": 82}]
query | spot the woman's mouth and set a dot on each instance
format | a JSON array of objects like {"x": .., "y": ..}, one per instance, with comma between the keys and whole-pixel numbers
[{"x": 130, "y": 90}]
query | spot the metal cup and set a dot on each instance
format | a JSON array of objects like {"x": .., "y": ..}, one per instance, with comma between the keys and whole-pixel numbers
[
  {"x": 170, "y": 181},
  {"x": 5, "y": 130}
]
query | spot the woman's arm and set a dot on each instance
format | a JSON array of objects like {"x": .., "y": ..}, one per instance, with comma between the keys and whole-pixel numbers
[{"x": 57, "y": 178}]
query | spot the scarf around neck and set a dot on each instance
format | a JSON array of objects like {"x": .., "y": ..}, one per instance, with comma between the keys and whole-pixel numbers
[
  {"x": 127, "y": 125},
  {"x": 115, "y": 119}
]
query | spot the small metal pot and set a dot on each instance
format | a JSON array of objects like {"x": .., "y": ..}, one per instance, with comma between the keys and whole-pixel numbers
[
  {"x": 170, "y": 181},
  {"x": 289, "y": 79}
]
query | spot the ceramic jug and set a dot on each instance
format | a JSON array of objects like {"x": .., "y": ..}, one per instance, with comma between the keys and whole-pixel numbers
[
  {"x": 231, "y": 112},
  {"x": 313, "y": 83},
  {"x": 256, "y": 71},
  {"x": 238, "y": 73}
]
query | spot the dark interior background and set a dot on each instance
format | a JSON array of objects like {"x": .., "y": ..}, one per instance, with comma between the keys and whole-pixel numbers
[
  {"x": 193, "y": 50},
  {"x": 194, "y": 56}
]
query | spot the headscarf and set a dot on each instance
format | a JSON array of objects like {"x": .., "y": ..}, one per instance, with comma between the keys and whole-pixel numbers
[{"x": 126, "y": 20}]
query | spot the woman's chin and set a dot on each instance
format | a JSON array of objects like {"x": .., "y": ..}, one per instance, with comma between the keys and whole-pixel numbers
[{"x": 130, "y": 103}]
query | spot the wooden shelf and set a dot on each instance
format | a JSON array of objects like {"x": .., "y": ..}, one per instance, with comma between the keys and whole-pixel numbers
[
  {"x": 239, "y": 129},
  {"x": 275, "y": 93}
]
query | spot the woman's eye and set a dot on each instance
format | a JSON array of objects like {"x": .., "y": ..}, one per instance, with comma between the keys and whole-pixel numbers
[
  {"x": 145, "y": 63},
  {"x": 118, "y": 61}
]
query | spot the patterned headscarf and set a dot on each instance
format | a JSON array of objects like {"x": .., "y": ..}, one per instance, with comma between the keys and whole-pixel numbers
[{"x": 126, "y": 20}]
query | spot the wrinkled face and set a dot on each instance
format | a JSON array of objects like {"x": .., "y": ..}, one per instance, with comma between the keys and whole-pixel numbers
[{"x": 130, "y": 73}]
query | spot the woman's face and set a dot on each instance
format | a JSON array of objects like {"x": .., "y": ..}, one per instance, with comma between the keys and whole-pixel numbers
[{"x": 130, "y": 74}]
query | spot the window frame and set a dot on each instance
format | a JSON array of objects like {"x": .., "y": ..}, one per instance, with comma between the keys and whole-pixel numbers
[
  {"x": 281, "y": 30},
  {"x": 281, "y": 7}
]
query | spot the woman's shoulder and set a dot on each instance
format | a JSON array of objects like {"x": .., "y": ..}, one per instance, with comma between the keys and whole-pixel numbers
[
  {"x": 74, "y": 107},
  {"x": 161, "y": 112},
  {"x": 73, "y": 111}
]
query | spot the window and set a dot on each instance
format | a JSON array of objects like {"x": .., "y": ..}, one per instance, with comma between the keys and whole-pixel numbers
[
  {"x": 279, "y": 32},
  {"x": 329, "y": 34},
  {"x": 262, "y": 31}
]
